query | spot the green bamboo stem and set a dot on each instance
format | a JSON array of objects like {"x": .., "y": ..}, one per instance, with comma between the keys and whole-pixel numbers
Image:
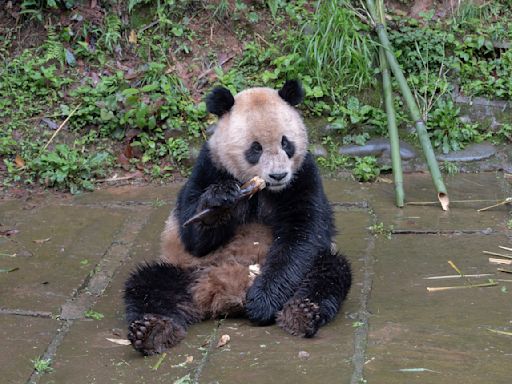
[
  {"x": 414, "y": 111},
  {"x": 392, "y": 129}
]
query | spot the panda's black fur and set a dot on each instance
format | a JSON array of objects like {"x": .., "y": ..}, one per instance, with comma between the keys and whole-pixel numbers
[{"x": 303, "y": 282}]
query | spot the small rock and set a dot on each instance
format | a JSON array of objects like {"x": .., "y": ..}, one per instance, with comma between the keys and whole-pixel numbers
[
  {"x": 379, "y": 147},
  {"x": 472, "y": 152},
  {"x": 303, "y": 355}
]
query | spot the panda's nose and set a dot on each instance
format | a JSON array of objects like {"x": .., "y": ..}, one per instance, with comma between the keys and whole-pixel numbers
[{"x": 278, "y": 176}]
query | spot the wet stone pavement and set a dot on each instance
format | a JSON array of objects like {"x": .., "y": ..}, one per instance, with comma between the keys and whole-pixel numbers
[{"x": 72, "y": 254}]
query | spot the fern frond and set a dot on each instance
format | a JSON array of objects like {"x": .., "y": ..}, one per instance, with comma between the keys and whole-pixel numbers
[{"x": 53, "y": 48}]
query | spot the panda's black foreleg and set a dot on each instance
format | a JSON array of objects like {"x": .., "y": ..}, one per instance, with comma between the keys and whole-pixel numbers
[
  {"x": 319, "y": 297},
  {"x": 159, "y": 307}
]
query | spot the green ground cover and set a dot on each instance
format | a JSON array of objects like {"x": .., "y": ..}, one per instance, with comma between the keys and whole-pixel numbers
[{"x": 130, "y": 76}]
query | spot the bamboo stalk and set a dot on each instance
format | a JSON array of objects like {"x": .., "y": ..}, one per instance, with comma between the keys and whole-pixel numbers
[
  {"x": 392, "y": 129},
  {"x": 437, "y": 178}
]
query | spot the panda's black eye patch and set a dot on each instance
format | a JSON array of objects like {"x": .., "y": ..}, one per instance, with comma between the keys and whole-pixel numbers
[
  {"x": 288, "y": 147},
  {"x": 253, "y": 154}
]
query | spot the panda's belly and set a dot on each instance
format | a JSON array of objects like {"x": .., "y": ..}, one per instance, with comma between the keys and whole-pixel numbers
[{"x": 249, "y": 245}]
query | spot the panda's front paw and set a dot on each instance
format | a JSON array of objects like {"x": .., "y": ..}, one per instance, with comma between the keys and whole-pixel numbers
[
  {"x": 221, "y": 195},
  {"x": 259, "y": 307}
]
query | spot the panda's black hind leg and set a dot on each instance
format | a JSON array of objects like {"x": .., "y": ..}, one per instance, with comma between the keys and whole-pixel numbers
[
  {"x": 319, "y": 297},
  {"x": 159, "y": 307}
]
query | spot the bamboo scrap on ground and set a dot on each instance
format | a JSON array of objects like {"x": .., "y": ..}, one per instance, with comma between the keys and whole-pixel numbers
[
  {"x": 497, "y": 254},
  {"x": 484, "y": 285},
  {"x": 457, "y": 276},
  {"x": 499, "y": 332},
  {"x": 494, "y": 260},
  {"x": 506, "y": 201}
]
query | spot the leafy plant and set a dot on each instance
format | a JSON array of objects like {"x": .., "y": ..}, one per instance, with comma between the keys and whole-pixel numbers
[
  {"x": 333, "y": 160},
  {"x": 366, "y": 169},
  {"x": 450, "y": 168},
  {"x": 380, "y": 229},
  {"x": 112, "y": 34},
  {"x": 447, "y": 130},
  {"x": 35, "y": 8},
  {"x": 42, "y": 365},
  {"x": 356, "y": 114},
  {"x": 67, "y": 168},
  {"x": 90, "y": 314}
]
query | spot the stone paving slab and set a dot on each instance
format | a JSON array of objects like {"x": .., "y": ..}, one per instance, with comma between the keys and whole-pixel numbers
[
  {"x": 129, "y": 194},
  {"x": 268, "y": 354},
  {"x": 388, "y": 323},
  {"x": 23, "y": 339},
  {"x": 86, "y": 356},
  {"x": 461, "y": 216},
  {"x": 58, "y": 247},
  {"x": 445, "y": 332},
  {"x": 107, "y": 362}
]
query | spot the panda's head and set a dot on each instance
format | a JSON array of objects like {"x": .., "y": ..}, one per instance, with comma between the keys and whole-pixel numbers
[{"x": 259, "y": 133}]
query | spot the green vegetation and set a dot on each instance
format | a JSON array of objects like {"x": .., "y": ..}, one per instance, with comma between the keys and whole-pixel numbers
[
  {"x": 136, "y": 73},
  {"x": 366, "y": 168},
  {"x": 90, "y": 314},
  {"x": 42, "y": 365},
  {"x": 380, "y": 229}
]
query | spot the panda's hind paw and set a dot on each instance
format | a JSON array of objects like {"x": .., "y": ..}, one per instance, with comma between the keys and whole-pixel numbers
[
  {"x": 154, "y": 334},
  {"x": 299, "y": 317}
]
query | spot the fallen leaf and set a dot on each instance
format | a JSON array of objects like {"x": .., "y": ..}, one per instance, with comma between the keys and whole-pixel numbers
[
  {"x": 7, "y": 270},
  {"x": 133, "y": 37},
  {"x": 41, "y": 241},
  {"x": 189, "y": 359},
  {"x": 224, "y": 339},
  {"x": 20, "y": 163},
  {"x": 8, "y": 232},
  {"x": 119, "y": 341}
]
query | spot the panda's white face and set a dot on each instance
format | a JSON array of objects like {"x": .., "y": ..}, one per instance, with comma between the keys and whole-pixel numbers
[{"x": 261, "y": 135}]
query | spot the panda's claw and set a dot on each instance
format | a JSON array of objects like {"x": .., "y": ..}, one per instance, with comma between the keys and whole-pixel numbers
[
  {"x": 299, "y": 317},
  {"x": 154, "y": 334}
]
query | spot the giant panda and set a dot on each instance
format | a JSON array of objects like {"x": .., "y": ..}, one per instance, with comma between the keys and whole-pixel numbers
[{"x": 286, "y": 228}]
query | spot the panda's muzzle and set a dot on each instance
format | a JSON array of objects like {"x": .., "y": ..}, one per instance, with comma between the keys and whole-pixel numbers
[{"x": 278, "y": 176}]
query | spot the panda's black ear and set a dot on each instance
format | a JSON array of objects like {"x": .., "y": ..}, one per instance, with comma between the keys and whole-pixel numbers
[
  {"x": 292, "y": 92},
  {"x": 219, "y": 101}
]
